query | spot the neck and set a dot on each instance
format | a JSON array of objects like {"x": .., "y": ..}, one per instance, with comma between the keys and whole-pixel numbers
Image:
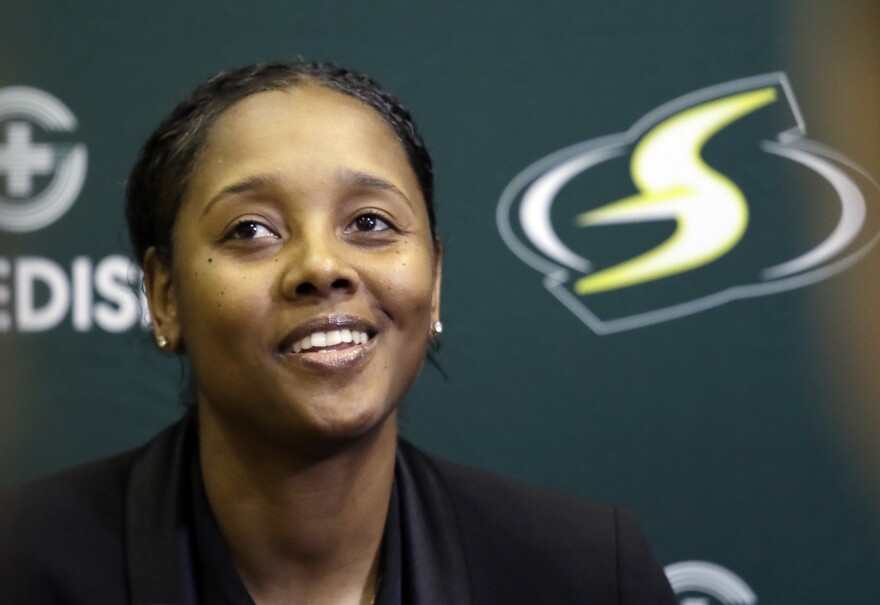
[{"x": 300, "y": 528}]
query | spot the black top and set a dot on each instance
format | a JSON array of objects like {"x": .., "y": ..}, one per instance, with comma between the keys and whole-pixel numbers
[{"x": 137, "y": 529}]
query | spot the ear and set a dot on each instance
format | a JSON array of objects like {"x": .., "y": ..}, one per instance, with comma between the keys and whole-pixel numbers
[
  {"x": 162, "y": 299},
  {"x": 438, "y": 274}
]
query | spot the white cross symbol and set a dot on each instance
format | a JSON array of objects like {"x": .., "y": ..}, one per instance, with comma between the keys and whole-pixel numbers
[{"x": 21, "y": 159}]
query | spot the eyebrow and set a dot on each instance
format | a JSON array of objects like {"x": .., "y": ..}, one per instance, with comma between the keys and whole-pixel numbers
[
  {"x": 262, "y": 182},
  {"x": 257, "y": 182},
  {"x": 356, "y": 178}
]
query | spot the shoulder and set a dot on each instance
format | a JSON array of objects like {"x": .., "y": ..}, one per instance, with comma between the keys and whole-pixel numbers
[
  {"x": 477, "y": 491},
  {"x": 58, "y": 531},
  {"x": 495, "y": 507},
  {"x": 74, "y": 486},
  {"x": 544, "y": 544}
]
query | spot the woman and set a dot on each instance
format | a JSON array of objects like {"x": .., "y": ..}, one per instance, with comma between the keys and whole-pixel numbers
[{"x": 284, "y": 218}]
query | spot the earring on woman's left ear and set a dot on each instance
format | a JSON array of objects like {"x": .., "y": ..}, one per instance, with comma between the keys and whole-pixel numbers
[
  {"x": 161, "y": 341},
  {"x": 436, "y": 328}
]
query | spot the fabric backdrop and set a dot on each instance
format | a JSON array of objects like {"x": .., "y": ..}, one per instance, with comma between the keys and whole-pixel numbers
[{"x": 704, "y": 352}]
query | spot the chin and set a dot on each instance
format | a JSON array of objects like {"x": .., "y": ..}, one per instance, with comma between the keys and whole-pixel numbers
[{"x": 348, "y": 427}]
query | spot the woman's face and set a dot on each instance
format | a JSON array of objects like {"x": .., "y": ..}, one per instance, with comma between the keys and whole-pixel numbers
[{"x": 304, "y": 278}]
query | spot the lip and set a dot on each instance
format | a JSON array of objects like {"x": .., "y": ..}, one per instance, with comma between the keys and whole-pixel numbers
[{"x": 336, "y": 359}]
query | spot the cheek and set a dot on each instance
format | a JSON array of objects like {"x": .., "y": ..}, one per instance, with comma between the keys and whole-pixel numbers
[
  {"x": 408, "y": 288},
  {"x": 216, "y": 302}
]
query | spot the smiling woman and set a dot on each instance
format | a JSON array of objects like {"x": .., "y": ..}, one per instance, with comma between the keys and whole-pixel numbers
[
  {"x": 284, "y": 217},
  {"x": 302, "y": 217}
]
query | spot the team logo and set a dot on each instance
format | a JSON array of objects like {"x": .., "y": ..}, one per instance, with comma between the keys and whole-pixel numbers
[
  {"x": 712, "y": 197},
  {"x": 40, "y": 180},
  {"x": 702, "y": 583}
]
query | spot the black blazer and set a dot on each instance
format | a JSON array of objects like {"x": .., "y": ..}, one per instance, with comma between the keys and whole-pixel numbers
[{"x": 120, "y": 531}]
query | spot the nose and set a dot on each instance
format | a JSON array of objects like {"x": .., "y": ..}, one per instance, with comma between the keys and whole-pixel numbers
[{"x": 319, "y": 267}]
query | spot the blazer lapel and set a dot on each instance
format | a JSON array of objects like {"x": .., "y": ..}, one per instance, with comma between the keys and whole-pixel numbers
[
  {"x": 157, "y": 533},
  {"x": 434, "y": 570}
]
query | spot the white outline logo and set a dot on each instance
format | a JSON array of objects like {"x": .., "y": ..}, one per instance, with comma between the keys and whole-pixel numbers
[
  {"x": 674, "y": 183},
  {"x": 22, "y": 160},
  {"x": 708, "y": 580}
]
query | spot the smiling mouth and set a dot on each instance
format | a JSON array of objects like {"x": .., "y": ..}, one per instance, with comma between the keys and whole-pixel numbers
[
  {"x": 333, "y": 340},
  {"x": 326, "y": 335}
]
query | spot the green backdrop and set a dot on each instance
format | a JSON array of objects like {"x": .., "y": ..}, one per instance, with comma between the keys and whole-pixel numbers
[{"x": 744, "y": 434}]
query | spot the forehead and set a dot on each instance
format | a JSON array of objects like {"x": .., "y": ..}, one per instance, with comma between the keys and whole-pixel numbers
[
  {"x": 307, "y": 111},
  {"x": 302, "y": 131}
]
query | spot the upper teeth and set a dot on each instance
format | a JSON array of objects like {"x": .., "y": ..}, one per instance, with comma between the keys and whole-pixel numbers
[{"x": 329, "y": 339}]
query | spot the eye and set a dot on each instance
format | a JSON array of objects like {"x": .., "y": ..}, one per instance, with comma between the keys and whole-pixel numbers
[
  {"x": 250, "y": 229},
  {"x": 370, "y": 222}
]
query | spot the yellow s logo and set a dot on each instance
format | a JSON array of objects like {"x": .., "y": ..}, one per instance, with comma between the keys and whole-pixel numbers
[
  {"x": 675, "y": 183},
  {"x": 708, "y": 210}
]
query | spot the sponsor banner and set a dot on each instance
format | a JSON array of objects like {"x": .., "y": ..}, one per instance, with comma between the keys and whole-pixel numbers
[{"x": 39, "y": 182}]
